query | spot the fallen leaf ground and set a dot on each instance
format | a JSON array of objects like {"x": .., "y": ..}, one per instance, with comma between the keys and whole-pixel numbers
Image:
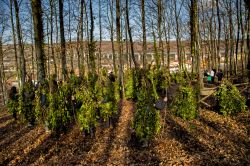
[{"x": 211, "y": 139}]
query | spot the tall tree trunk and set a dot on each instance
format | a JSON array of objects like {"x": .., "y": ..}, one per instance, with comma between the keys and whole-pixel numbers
[
  {"x": 92, "y": 43},
  {"x": 118, "y": 38},
  {"x": 242, "y": 40},
  {"x": 38, "y": 36},
  {"x": 159, "y": 7},
  {"x": 130, "y": 36},
  {"x": 63, "y": 47},
  {"x": 20, "y": 45},
  {"x": 231, "y": 30},
  {"x": 48, "y": 52},
  {"x": 51, "y": 35},
  {"x": 70, "y": 40},
  {"x": 247, "y": 3},
  {"x": 80, "y": 36},
  {"x": 178, "y": 36},
  {"x": 100, "y": 37},
  {"x": 2, "y": 74},
  {"x": 112, "y": 36},
  {"x": 14, "y": 42},
  {"x": 32, "y": 50},
  {"x": 144, "y": 39},
  {"x": 194, "y": 31},
  {"x": 57, "y": 40},
  {"x": 219, "y": 30}
]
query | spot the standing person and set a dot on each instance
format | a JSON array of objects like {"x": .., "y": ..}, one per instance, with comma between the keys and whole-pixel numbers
[
  {"x": 111, "y": 76},
  {"x": 219, "y": 75},
  {"x": 212, "y": 74}
]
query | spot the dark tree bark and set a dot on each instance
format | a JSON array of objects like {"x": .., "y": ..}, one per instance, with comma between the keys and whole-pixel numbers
[
  {"x": 118, "y": 39},
  {"x": 144, "y": 39},
  {"x": 112, "y": 35},
  {"x": 80, "y": 39},
  {"x": 63, "y": 46},
  {"x": 130, "y": 36},
  {"x": 159, "y": 10},
  {"x": 38, "y": 36},
  {"x": 20, "y": 45},
  {"x": 14, "y": 41},
  {"x": 100, "y": 36},
  {"x": 92, "y": 43},
  {"x": 219, "y": 30},
  {"x": 51, "y": 35},
  {"x": 247, "y": 3}
]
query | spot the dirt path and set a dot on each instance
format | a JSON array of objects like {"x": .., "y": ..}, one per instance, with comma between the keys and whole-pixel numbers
[
  {"x": 110, "y": 147},
  {"x": 119, "y": 150}
]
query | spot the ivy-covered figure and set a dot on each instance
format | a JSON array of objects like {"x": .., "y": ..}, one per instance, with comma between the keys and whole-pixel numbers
[
  {"x": 13, "y": 102},
  {"x": 146, "y": 122},
  {"x": 27, "y": 97},
  {"x": 42, "y": 103}
]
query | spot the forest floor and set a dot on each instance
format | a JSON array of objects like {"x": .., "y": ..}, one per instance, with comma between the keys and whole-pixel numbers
[{"x": 211, "y": 139}]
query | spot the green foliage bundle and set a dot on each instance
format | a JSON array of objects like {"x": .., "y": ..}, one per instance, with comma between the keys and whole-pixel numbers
[
  {"x": 229, "y": 99},
  {"x": 40, "y": 109},
  {"x": 147, "y": 119},
  {"x": 86, "y": 115},
  {"x": 59, "y": 108},
  {"x": 12, "y": 106},
  {"x": 26, "y": 101},
  {"x": 132, "y": 84},
  {"x": 21, "y": 101},
  {"x": 178, "y": 78},
  {"x": 185, "y": 104}
]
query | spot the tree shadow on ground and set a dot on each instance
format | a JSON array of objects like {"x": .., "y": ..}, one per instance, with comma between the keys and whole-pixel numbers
[
  {"x": 114, "y": 124},
  {"x": 9, "y": 129},
  {"x": 141, "y": 153},
  {"x": 16, "y": 148},
  {"x": 15, "y": 136},
  {"x": 239, "y": 140},
  {"x": 205, "y": 155},
  {"x": 5, "y": 118},
  {"x": 41, "y": 150}
]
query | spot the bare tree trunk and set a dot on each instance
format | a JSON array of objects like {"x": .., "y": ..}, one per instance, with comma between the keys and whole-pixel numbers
[
  {"x": 159, "y": 7},
  {"x": 48, "y": 52},
  {"x": 112, "y": 35},
  {"x": 70, "y": 40},
  {"x": 247, "y": 3},
  {"x": 57, "y": 40},
  {"x": 87, "y": 44},
  {"x": 20, "y": 45},
  {"x": 92, "y": 43},
  {"x": 219, "y": 30},
  {"x": 81, "y": 55},
  {"x": 78, "y": 45},
  {"x": 38, "y": 36},
  {"x": 194, "y": 31},
  {"x": 14, "y": 42},
  {"x": 32, "y": 51},
  {"x": 2, "y": 74},
  {"x": 118, "y": 38},
  {"x": 144, "y": 39},
  {"x": 51, "y": 35},
  {"x": 130, "y": 36},
  {"x": 63, "y": 47},
  {"x": 178, "y": 36},
  {"x": 100, "y": 37},
  {"x": 231, "y": 30},
  {"x": 242, "y": 40}
]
